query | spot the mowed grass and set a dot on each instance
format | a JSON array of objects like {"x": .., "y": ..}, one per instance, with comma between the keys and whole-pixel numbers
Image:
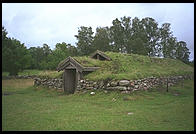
[{"x": 32, "y": 108}]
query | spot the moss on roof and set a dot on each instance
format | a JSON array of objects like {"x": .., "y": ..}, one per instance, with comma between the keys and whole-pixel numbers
[{"x": 132, "y": 66}]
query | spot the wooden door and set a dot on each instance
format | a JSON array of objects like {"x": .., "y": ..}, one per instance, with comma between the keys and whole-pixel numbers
[{"x": 70, "y": 80}]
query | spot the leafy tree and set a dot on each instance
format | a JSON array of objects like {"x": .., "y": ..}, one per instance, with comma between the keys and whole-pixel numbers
[
  {"x": 37, "y": 54},
  {"x": 127, "y": 33},
  {"x": 151, "y": 31},
  {"x": 166, "y": 35},
  {"x": 15, "y": 56},
  {"x": 116, "y": 31},
  {"x": 182, "y": 52},
  {"x": 59, "y": 53},
  {"x": 102, "y": 39},
  {"x": 72, "y": 50},
  {"x": 138, "y": 37},
  {"x": 85, "y": 39},
  {"x": 138, "y": 46}
]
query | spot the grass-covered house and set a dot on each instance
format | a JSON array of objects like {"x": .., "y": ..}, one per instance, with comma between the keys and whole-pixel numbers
[{"x": 117, "y": 66}]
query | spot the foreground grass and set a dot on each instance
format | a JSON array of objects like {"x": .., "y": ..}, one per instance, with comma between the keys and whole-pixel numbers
[{"x": 31, "y": 108}]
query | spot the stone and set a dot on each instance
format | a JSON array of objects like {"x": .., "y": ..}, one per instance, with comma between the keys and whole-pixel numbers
[
  {"x": 89, "y": 88},
  {"x": 145, "y": 88},
  {"x": 116, "y": 88},
  {"x": 135, "y": 89},
  {"x": 113, "y": 99},
  {"x": 136, "y": 86},
  {"x": 82, "y": 81},
  {"x": 145, "y": 84},
  {"x": 132, "y": 84},
  {"x": 94, "y": 83},
  {"x": 125, "y": 92},
  {"x": 92, "y": 93},
  {"x": 114, "y": 83},
  {"x": 130, "y": 113},
  {"x": 105, "y": 91},
  {"x": 124, "y": 83},
  {"x": 101, "y": 84},
  {"x": 108, "y": 84},
  {"x": 95, "y": 86}
]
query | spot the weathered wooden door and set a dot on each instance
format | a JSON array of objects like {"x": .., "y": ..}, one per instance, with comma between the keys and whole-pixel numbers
[{"x": 69, "y": 80}]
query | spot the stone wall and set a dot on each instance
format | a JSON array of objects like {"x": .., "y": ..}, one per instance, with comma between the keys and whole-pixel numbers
[
  {"x": 128, "y": 86},
  {"x": 49, "y": 82},
  {"x": 125, "y": 86}
]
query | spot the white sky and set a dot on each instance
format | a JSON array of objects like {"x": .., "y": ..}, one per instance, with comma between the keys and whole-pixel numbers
[{"x": 37, "y": 23}]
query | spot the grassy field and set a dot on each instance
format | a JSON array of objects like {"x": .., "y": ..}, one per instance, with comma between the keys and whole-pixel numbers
[
  {"x": 25, "y": 107},
  {"x": 40, "y": 73}
]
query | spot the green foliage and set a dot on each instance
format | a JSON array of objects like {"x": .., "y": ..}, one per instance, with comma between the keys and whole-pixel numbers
[
  {"x": 125, "y": 35},
  {"x": 85, "y": 39},
  {"x": 101, "y": 39},
  {"x": 30, "y": 108},
  {"x": 136, "y": 36},
  {"x": 15, "y": 56}
]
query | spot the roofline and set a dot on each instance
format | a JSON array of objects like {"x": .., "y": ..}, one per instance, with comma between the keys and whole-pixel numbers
[
  {"x": 100, "y": 53},
  {"x": 76, "y": 64}
]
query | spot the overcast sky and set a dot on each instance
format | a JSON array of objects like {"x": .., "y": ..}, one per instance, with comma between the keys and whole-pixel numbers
[{"x": 37, "y": 23}]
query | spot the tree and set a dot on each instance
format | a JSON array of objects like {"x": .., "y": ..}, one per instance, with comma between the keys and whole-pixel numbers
[
  {"x": 85, "y": 39},
  {"x": 72, "y": 50},
  {"x": 59, "y": 53},
  {"x": 138, "y": 46},
  {"x": 182, "y": 52},
  {"x": 15, "y": 56},
  {"x": 101, "y": 40},
  {"x": 37, "y": 54},
  {"x": 127, "y": 33},
  {"x": 116, "y": 30},
  {"x": 151, "y": 31},
  {"x": 138, "y": 38},
  {"x": 166, "y": 35}
]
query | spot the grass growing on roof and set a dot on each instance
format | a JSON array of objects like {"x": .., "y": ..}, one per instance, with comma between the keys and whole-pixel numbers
[{"x": 134, "y": 66}]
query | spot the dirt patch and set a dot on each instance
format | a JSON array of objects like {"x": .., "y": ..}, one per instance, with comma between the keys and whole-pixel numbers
[{"x": 17, "y": 83}]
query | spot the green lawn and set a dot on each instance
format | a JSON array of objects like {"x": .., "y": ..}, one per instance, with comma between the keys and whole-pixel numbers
[
  {"x": 29, "y": 108},
  {"x": 40, "y": 73}
]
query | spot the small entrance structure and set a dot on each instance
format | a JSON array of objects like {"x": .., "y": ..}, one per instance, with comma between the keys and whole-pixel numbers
[
  {"x": 100, "y": 55},
  {"x": 73, "y": 72}
]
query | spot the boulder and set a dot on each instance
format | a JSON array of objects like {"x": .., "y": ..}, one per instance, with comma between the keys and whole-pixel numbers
[
  {"x": 117, "y": 88},
  {"x": 124, "y": 83},
  {"x": 136, "y": 86},
  {"x": 132, "y": 84},
  {"x": 92, "y": 93}
]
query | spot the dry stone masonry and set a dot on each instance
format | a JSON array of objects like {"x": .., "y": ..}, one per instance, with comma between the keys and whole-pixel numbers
[
  {"x": 128, "y": 86},
  {"x": 48, "y": 82},
  {"x": 125, "y": 86}
]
